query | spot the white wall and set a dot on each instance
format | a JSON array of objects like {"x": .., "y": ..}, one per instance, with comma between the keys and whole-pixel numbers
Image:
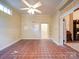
[
  {"x": 67, "y": 19},
  {"x": 55, "y": 28},
  {"x": 9, "y": 29},
  {"x": 28, "y": 23},
  {"x": 56, "y": 34}
]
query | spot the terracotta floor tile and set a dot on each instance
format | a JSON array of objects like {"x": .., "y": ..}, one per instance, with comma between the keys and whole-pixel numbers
[{"x": 38, "y": 49}]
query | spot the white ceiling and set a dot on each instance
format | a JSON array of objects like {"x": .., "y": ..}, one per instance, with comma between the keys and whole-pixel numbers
[{"x": 48, "y": 6}]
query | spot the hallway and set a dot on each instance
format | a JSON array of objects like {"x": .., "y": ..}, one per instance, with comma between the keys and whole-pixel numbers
[{"x": 38, "y": 49}]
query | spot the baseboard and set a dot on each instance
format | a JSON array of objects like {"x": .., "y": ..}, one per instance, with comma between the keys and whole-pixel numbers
[
  {"x": 30, "y": 39},
  {"x": 33, "y": 39},
  {"x": 56, "y": 42},
  {"x": 53, "y": 39},
  {"x": 9, "y": 45},
  {"x": 72, "y": 48}
]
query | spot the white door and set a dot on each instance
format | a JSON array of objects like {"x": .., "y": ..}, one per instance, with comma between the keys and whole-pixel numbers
[{"x": 44, "y": 31}]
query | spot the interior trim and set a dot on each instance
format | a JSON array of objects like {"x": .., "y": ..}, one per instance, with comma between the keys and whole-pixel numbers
[{"x": 66, "y": 4}]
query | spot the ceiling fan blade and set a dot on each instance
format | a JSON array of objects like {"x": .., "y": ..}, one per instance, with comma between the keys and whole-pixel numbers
[
  {"x": 24, "y": 8},
  {"x": 37, "y": 10},
  {"x": 37, "y": 5},
  {"x": 26, "y": 3}
]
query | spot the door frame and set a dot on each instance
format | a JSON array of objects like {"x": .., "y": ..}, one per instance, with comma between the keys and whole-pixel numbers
[{"x": 61, "y": 20}]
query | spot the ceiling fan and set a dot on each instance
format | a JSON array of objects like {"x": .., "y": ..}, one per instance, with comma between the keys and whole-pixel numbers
[{"x": 31, "y": 9}]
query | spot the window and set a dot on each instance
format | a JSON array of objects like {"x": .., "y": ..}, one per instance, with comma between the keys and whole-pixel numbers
[
  {"x": 9, "y": 11},
  {"x": 5, "y": 9},
  {"x": 1, "y": 7}
]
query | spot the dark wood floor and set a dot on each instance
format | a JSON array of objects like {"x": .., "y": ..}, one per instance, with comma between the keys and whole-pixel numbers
[{"x": 38, "y": 49}]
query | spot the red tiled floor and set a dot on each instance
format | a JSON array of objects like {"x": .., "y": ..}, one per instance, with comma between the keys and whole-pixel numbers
[{"x": 38, "y": 49}]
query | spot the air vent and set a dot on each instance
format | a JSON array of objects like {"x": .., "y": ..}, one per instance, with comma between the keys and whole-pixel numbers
[{"x": 66, "y": 4}]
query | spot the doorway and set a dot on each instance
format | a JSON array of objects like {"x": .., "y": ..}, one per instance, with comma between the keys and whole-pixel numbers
[
  {"x": 71, "y": 29},
  {"x": 72, "y": 26},
  {"x": 44, "y": 31}
]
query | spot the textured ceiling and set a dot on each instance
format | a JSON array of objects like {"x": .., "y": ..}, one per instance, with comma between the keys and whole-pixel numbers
[{"x": 48, "y": 6}]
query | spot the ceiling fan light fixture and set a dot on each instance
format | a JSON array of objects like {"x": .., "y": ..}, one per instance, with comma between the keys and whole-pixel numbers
[{"x": 31, "y": 11}]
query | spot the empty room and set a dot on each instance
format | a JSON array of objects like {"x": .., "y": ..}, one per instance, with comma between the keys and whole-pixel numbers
[{"x": 39, "y": 29}]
